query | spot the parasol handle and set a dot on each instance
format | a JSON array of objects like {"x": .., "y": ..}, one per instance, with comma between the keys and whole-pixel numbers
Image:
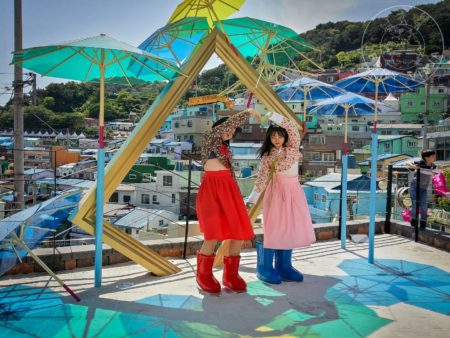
[
  {"x": 46, "y": 268},
  {"x": 249, "y": 101}
]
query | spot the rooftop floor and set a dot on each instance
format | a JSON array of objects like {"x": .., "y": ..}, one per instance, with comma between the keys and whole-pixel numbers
[{"x": 405, "y": 294}]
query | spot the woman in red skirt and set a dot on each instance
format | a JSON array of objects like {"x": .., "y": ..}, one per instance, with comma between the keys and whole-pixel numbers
[{"x": 220, "y": 208}]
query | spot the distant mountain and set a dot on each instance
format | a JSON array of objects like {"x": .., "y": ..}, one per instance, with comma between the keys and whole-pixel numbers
[{"x": 346, "y": 36}]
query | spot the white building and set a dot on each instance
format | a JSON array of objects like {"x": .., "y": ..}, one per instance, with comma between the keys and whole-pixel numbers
[{"x": 146, "y": 220}]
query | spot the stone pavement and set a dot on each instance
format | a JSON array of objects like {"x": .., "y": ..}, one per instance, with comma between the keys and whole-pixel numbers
[{"x": 404, "y": 294}]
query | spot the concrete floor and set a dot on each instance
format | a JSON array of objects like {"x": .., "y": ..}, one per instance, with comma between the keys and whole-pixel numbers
[{"x": 405, "y": 294}]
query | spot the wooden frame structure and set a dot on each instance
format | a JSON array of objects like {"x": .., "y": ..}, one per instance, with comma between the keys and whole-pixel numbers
[{"x": 147, "y": 128}]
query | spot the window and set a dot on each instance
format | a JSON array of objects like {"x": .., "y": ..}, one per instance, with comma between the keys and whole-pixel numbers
[
  {"x": 411, "y": 144},
  {"x": 132, "y": 176},
  {"x": 436, "y": 104},
  {"x": 145, "y": 199},
  {"x": 317, "y": 139},
  {"x": 309, "y": 118},
  {"x": 146, "y": 178},
  {"x": 154, "y": 199},
  {"x": 387, "y": 147},
  {"x": 189, "y": 124},
  {"x": 328, "y": 157},
  {"x": 246, "y": 129},
  {"x": 173, "y": 198},
  {"x": 177, "y": 125},
  {"x": 161, "y": 223},
  {"x": 355, "y": 128},
  {"x": 312, "y": 156},
  {"x": 324, "y": 198},
  {"x": 409, "y": 103},
  {"x": 167, "y": 181},
  {"x": 126, "y": 198},
  {"x": 316, "y": 196}
]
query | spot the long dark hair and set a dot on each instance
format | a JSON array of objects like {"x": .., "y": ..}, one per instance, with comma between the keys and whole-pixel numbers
[{"x": 267, "y": 144}]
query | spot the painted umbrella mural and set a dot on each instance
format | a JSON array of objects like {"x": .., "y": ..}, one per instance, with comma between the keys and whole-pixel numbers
[
  {"x": 99, "y": 59},
  {"x": 23, "y": 231},
  {"x": 377, "y": 81}
]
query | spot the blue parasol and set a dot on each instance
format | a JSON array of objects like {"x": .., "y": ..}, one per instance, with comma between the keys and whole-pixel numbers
[
  {"x": 384, "y": 81},
  {"x": 175, "y": 41},
  {"x": 343, "y": 106},
  {"x": 23, "y": 231}
]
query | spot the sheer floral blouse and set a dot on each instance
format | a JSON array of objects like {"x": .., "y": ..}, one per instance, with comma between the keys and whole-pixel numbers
[
  {"x": 283, "y": 161},
  {"x": 214, "y": 147}
]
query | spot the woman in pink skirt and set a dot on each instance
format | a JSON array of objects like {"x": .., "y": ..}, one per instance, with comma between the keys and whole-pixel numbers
[{"x": 287, "y": 221}]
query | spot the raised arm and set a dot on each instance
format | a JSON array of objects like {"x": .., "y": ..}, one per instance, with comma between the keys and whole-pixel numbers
[{"x": 233, "y": 122}]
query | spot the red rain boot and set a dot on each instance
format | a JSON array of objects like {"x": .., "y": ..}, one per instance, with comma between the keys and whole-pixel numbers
[
  {"x": 205, "y": 278},
  {"x": 231, "y": 278}
]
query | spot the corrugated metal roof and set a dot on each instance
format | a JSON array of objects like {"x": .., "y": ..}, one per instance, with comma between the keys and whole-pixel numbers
[
  {"x": 139, "y": 217},
  {"x": 330, "y": 181}
]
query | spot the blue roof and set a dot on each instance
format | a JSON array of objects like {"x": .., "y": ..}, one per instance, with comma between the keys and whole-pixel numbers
[
  {"x": 34, "y": 171},
  {"x": 8, "y": 198}
]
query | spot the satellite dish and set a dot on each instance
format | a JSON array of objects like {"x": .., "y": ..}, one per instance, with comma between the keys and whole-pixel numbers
[{"x": 382, "y": 185}]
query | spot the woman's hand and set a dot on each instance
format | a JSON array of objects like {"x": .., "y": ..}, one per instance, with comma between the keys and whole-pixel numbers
[{"x": 255, "y": 114}]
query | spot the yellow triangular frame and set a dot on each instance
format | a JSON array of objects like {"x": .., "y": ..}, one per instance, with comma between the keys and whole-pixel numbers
[{"x": 144, "y": 132}]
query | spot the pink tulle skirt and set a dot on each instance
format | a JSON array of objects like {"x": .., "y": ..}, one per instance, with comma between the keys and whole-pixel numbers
[{"x": 287, "y": 221}]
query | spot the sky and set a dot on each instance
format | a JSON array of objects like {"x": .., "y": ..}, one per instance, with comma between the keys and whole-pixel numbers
[{"x": 47, "y": 22}]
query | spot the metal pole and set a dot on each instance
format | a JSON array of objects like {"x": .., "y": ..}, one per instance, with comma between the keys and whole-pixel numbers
[
  {"x": 340, "y": 206},
  {"x": 416, "y": 224},
  {"x": 387, "y": 221},
  {"x": 373, "y": 180},
  {"x": 425, "y": 116},
  {"x": 188, "y": 211},
  {"x": 18, "y": 112},
  {"x": 343, "y": 218},
  {"x": 54, "y": 173},
  {"x": 98, "y": 261}
]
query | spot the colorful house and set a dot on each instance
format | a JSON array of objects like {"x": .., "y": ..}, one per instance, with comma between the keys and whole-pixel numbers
[
  {"x": 412, "y": 106},
  {"x": 399, "y": 144},
  {"x": 323, "y": 195}
]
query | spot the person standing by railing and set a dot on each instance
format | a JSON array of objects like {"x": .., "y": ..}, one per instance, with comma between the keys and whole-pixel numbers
[
  {"x": 221, "y": 210},
  {"x": 287, "y": 221},
  {"x": 426, "y": 166}
]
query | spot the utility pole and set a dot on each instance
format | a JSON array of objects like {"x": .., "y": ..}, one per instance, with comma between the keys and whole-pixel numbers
[
  {"x": 33, "y": 90},
  {"x": 18, "y": 112}
]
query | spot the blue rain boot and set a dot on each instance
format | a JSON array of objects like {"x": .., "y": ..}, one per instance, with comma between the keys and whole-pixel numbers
[
  {"x": 283, "y": 265},
  {"x": 264, "y": 265}
]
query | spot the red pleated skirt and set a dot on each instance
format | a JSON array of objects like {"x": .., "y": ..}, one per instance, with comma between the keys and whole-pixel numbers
[{"x": 220, "y": 208}]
